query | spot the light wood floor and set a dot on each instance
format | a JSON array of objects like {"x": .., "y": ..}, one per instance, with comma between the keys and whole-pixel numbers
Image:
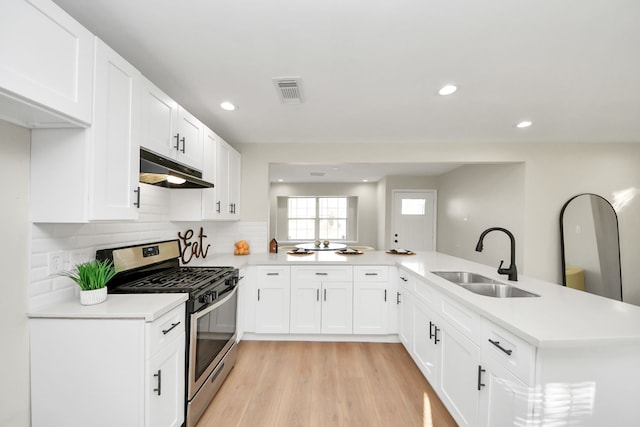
[{"x": 325, "y": 384}]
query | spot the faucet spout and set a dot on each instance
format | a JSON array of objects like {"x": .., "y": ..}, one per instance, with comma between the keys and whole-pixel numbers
[{"x": 511, "y": 271}]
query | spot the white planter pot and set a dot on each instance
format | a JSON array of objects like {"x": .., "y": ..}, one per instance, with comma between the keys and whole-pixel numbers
[{"x": 93, "y": 296}]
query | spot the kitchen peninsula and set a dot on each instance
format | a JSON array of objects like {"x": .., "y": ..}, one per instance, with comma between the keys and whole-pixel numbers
[{"x": 561, "y": 355}]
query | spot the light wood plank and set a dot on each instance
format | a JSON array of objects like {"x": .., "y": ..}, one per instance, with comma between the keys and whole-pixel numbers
[{"x": 322, "y": 384}]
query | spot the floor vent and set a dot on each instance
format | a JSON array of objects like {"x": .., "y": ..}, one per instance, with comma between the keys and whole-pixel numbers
[{"x": 288, "y": 89}]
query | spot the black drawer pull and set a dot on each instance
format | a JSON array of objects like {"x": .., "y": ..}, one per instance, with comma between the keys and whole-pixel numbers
[
  {"x": 173, "y": 325},
  {"x": 322, "y": 274},
  {"x": 370, "y": 274},
  {"x": 397, "y": 297},
  {"x": 403, "y": 279},
  {"x": 273, "y": 274},
  {"x": 497, "y": 344}
]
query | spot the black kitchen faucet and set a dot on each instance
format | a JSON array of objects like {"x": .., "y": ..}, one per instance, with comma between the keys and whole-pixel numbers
[{"x": 512, "y": 271}]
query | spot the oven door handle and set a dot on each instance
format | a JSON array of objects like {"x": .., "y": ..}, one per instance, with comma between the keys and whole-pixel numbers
[{"x": 208, "y": 308}]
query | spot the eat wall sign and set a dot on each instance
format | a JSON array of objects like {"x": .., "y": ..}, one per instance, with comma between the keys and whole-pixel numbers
[{"x": 195, "y": 248}]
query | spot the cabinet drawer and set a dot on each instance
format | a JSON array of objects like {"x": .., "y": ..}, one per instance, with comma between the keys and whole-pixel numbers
[
  {"x": 461, "y": 318},
  {"x": 510, "y": 351},
  {"x": 328, "y": 273},
  {"x": 272, "y": 274},
  {"x": 370, "y": 273},
  {"x": 162, "y": 331}
]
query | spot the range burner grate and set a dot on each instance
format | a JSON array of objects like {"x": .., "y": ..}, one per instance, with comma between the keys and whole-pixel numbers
[{"x": 181, "y": 279}]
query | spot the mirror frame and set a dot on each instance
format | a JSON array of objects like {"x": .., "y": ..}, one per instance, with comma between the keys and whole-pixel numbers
[{"x": 562, "y": 244}]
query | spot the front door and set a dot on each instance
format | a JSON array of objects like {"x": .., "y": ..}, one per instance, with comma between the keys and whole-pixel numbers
[{"x": 413, "y": 220}]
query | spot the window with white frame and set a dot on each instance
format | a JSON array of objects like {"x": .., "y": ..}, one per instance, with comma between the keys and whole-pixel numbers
[{"x": 308, "y": 218}]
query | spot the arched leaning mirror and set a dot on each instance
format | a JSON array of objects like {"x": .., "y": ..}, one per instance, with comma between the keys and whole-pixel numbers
[{"x": 590, "y": 246}]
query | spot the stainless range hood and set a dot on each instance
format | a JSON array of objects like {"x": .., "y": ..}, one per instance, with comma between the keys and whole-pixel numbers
[{"x": 158, "y": 170}]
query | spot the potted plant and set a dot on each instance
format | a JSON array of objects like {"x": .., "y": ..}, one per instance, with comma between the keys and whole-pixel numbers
[{"x": 92, "y": 277}]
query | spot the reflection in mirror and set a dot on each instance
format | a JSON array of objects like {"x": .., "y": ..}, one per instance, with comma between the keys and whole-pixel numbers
[{"x": 590, "y": 246}]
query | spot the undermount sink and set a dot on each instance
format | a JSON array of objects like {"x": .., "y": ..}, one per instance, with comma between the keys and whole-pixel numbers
[{"x": 482, "y": 285}]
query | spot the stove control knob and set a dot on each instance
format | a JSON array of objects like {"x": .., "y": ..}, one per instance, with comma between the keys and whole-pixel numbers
[{"x": 206, "y": 298}]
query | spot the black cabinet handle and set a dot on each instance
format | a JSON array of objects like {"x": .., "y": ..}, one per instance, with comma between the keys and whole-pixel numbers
[
  {"x": 173, "y": 325},
  {"x": 437, "y": 340},
  {"x": 317, "y": 294},
  {"x": 137, "y": 202},
  {"x": 184, "y": 144},
  {"x": 480, "y": 372},
  {"x": 370, "y": 274},
  {"x": 431, "y": 325},
  {"x": 325, "y": 294},
  {"x": 497, "y": 344},
  {"x": 177, "y": 137},
  {"x": 433, "y": 332},
  {"x": 273, "y": 274},
  {"x": 397, "y": 297},
  {"x": 218, "y": 206},
  {"x": 321, "y": 274},
  {"x": 258, "y": 294},
  {"x": 159, "y": 389},
  {"x": 403, "y": 279},
  {"x": 385, "y": 295}
]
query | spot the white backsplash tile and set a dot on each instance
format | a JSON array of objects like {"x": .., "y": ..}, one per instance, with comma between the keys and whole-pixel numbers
[{"x": 152, "y": 225}]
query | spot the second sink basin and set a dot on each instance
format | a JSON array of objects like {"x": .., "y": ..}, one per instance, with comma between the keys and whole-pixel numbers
[{"x": 482, "y": 285}]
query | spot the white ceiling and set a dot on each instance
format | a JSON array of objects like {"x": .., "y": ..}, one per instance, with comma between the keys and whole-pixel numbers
[
  {"x": 371, "y": 69},
  {"x": 353, "y": 172}
]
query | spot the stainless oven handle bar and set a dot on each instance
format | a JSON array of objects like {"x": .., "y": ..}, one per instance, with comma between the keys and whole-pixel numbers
[{"x": 217, "y": 304}]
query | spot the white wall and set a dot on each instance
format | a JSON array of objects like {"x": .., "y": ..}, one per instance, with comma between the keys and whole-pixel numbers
[
  {"x": 367, "y": 204},
  {"x": 553, "y": 174},
  {"x": 475, "y": 197},
  {"x": 14, "y": 229}
]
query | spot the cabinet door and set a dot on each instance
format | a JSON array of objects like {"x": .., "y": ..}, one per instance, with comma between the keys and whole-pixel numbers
[
  {"x": 370, "y": 307},
  {"x": 305, "y": 307},
  {"x": 190, "y": 137},
  {"x": 427, "y": 336},
  {"x": 405, "y": 304},
  {"x": 337, "y": 308},
  {"x": 504, "y": 399},
  {"x": 234, "y": 183},
  {"x": 272, "y": 308},
  {"x": 159, "y": 120},
  {"x": 47, "y": 60},
  {"x": 223, "y": 152},
  {"x": 115, "y": 137},
  {"x": 165, "y": 386},
  {"x": 458, "y": 380}
]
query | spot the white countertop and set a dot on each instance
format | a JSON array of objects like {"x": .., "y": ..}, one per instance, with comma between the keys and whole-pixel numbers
[
  {"x": 117, "y": 306},
  {"x": 560, "y": 317}
]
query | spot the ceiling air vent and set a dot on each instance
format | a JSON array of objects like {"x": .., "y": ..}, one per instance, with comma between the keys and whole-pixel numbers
[{"x": 288, "y": 89}]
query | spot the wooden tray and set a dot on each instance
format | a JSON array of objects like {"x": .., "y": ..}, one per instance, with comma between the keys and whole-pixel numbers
[
  {"x": 402, "y": 253},
  {"x": 299, "y": 253},
  {"x": 349, "y": 253}
]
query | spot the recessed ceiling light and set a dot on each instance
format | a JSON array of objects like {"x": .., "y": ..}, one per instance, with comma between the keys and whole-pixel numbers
[
  {"x": 365, "y": 180},
  {"x": 524, "y": 124},
  {"x": 227, "y": 106},
  {"x": 281, "y": 180},
  {"x": 447, "y": 90}
]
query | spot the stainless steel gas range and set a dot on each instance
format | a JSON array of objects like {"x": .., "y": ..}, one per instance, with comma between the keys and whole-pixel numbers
[{"x": 211, "y": 311}]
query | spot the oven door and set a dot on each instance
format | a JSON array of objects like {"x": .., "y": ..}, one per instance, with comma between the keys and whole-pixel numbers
[{"x": 213, "y": 332}]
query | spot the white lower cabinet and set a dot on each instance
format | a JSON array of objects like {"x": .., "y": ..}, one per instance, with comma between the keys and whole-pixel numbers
[
  {"x": 321, "y": 299},
  {"x": 504, "y": 399},
  {"x": 272, "y": 295},
  {"x": 108, "y": 372},
  {"x": 372, "y": 299}
]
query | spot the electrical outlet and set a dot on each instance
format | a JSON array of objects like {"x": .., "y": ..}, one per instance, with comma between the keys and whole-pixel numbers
[
  {"x": 55, "y": 262},
  {"x": 80, "y": 256}
]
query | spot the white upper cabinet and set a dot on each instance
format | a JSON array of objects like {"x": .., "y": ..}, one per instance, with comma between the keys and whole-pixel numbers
[
  {"x": 46, "y": 66},
  {"x": 79, "y": 175},
  {"x": 169, "y": 129},
  {"x": 159, "y": 120},
  {"x": 227, "y": 182}
]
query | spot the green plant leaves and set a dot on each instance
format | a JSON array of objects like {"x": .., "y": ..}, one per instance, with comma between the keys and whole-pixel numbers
[{"x": 92, "y": 275}]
